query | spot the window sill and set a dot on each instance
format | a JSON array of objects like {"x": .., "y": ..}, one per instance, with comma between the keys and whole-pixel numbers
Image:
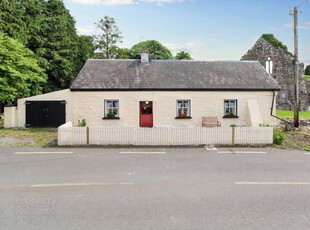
[
  {"x": 183, "y": 118},
  {"x": 230, "y": 116},
  {"x": 110, "y": 118}
]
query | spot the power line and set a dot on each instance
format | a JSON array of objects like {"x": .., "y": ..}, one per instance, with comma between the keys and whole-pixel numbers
[{"x": 297, "y": 7}]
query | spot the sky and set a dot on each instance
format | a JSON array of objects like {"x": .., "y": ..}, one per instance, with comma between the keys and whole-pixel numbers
[{"x": 207, "y": 29}]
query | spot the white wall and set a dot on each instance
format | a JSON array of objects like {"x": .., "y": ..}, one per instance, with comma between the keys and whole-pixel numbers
[
  {"x": 54, "y": 96},
  {"x": 90, "y": 106},
  {"x": 10, "y": 117}
]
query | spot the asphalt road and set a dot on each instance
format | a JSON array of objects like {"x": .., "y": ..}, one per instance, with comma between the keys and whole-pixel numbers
[{"x": 147, "y": 188}]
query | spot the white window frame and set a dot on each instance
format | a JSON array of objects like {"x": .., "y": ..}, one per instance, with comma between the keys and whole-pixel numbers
[
  {"x": 106, "y": 107},
  {"x": 188, "y": 108},
  {"x": 234, "y": 107}
]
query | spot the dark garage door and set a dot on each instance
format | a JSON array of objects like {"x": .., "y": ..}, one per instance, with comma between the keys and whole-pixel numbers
[{"x": 45, "y": 113}]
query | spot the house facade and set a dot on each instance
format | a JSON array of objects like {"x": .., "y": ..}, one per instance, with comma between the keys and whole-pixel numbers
[{"x": 157, "y": 93}]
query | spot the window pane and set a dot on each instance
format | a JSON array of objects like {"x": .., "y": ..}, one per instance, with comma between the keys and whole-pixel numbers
[
  {"x": 109, "y": 103},
  {"x": 115, "y": 104},
  {"x": 183, "y": 108},
  {"x": 230, "y": 107},
  {"x": 115, "y": 111}
]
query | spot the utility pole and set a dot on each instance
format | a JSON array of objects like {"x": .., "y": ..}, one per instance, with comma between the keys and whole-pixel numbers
[
  {"x": 294, "y": 13},
  {"x": 296, "y": 67}
]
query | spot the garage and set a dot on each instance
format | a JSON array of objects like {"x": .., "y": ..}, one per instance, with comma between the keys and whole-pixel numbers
[{"x": 45, "y": 113}]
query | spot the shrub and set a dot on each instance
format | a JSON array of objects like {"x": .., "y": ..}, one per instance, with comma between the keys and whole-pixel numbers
[
  {"x": 233, "y": 126},
  {"x": 278, "y": 137},
  {"x": 111, "y": 115},
  {"x": 82, "y": 123},
  {"x": 264, "y": 125}
]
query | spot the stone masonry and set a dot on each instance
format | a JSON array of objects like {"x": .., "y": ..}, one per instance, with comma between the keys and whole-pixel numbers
[{"x": 283, "y": 73}]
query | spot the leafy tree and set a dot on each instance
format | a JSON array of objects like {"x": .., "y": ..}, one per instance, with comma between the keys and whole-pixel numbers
[
  {"x": 156, "y": 50},
  {"x": 122, "y": 53},
  {"x": 307, "y": 71},
  {"x": 85, "y": 49},
  {"x": 47, "y": 28},
  {"x": 20, "y": 75},
  {"x": 12, "y": 20},
  {"x": 183, "y": 56},
  {"x": 109, "y": 37}
]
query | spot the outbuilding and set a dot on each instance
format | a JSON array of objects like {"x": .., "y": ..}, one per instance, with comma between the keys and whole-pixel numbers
[{"x": 157, "y": 93}]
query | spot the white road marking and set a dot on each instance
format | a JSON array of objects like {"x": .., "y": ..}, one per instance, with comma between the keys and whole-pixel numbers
[
  {"x": 308, "y": 153},
  {"x": 239, "y": 152},
  {"x": 142, "y": 152},
  {"x": 28, "y": 153},
  {"x": 272, "y": 183},
  {"x": 78, "y": 185},
  {"x": 211, "y": 148}
]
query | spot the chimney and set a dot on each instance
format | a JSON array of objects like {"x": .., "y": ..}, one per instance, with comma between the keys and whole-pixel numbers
[{"x": 144, "y": 56}]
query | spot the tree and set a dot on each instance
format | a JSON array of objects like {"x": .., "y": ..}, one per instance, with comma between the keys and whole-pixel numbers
[
  {"x": 20, "y": 74},
  {"x": 307, "y": 71},
  {"x": 47, "y": 28},
  {"x": 109, "y": 37},
  {"x": 156, "y": 50},
  {"x": 122, "y": 53},
  {"x": 183, "y": 56},
  {"x": 85, "y": 50},
  {"x": 12, "y": 20}
]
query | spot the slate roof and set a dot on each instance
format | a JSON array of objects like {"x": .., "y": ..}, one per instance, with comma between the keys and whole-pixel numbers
[{"x": 173, "y": 75}]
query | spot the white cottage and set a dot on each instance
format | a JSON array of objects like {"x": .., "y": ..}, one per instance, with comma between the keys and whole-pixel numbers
[{"x": 156, "y": 93}]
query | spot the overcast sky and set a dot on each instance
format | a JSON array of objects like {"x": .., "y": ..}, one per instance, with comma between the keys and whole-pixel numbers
[{"x": 208, "y": 29}]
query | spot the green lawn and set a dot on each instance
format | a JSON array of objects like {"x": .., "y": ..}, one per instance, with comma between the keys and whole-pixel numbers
[
  {"x": 307, "y": 77},
  {"x": 289, "y": 115}
]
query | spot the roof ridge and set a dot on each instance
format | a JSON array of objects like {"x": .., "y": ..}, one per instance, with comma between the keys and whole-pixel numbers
[{"x": 173, "y": 60}]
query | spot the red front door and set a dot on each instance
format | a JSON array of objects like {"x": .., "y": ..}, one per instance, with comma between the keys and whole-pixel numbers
[{"x": 146, "y": 114}]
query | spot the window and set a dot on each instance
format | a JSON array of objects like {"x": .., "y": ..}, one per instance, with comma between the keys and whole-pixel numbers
[
  {"x": 111, "y": 108},
  {"x": 183, "y": 108},
  {"x": 230, "y": 108}
]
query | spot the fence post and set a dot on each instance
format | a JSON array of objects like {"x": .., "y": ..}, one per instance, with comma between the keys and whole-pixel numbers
[
  {"x": 233, "y": 135},
  {"x": 87, "y": 135}
]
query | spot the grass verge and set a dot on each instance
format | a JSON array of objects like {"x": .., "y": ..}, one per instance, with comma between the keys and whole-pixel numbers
[
  {"x": 289, "y": 115},
  {"x": 30, "y": 137},
  {"x": 295, "y": 140}
]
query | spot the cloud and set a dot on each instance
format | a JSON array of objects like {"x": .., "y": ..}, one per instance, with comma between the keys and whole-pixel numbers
[
  {"x": 86, "y": 30},
  {"x": 107, "y": 2},
  {"x": 174, "y": 47},
  {"x": 307, "y": 23}
]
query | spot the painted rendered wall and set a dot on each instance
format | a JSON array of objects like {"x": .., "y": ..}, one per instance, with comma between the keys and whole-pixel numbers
[
  {"x": 57, "y": 95},
  {"x": 10, "y": 117},
  {"x": 90, "y": 106}
]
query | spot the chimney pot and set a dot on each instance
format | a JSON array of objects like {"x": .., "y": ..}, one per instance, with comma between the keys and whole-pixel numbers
[{"x": 144, "y": 56}]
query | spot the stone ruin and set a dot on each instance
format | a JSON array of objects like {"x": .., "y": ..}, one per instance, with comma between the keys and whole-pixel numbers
[{"x": 283, "y": 72}]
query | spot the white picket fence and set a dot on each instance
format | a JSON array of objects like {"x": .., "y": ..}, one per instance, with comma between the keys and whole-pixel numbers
[
  {"x": 158, "y": 136},
  {"x": 254, "y": 135},
  {"x": 68, "y": 135}
]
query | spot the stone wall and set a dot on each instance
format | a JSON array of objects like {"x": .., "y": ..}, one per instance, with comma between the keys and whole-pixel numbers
[{"x": 283, "y": 73}]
